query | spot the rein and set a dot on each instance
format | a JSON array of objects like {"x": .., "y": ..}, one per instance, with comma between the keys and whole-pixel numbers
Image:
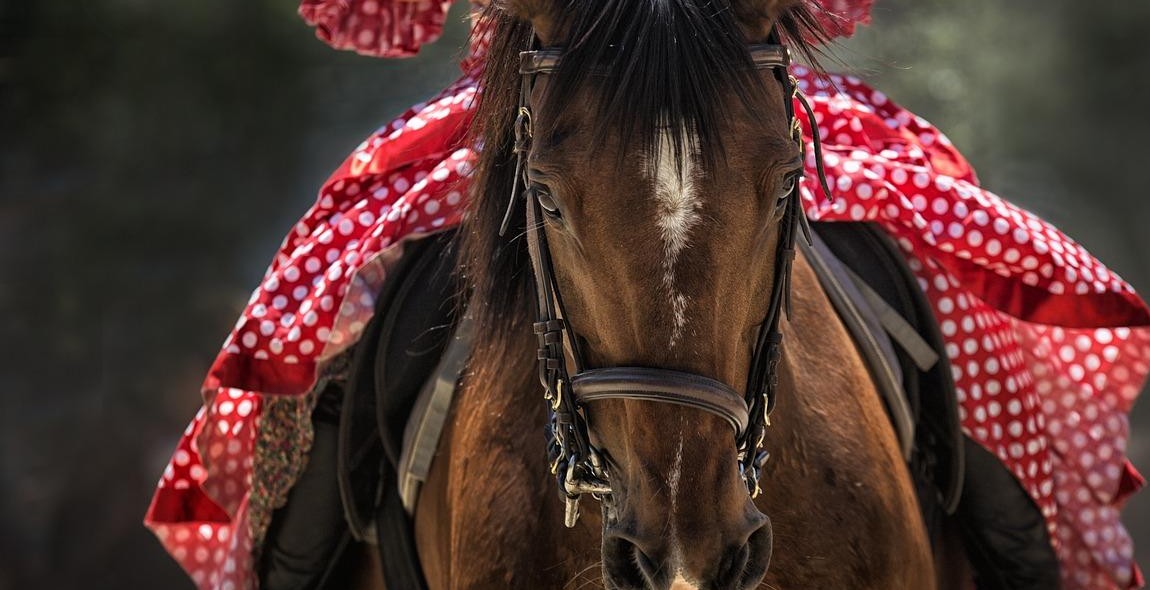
[{"x": 578, "y": 466}]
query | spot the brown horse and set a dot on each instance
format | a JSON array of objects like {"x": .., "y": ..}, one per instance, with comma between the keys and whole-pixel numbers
[{"x": 662, "y": 166}]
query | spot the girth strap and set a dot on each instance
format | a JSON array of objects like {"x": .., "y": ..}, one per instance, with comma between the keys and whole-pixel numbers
[{"x": 661, "y": 385}]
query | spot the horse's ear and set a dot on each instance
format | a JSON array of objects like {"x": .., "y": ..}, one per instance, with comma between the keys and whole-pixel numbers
[
  {"x": 759, "y": 16},
  {"x": 540, "y": 13}
]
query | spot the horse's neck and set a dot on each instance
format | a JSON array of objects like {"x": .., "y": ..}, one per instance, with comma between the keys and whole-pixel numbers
[
  {"x": 489, "y": 515},
  {"x": 826, "y": 394},
  {"x": 835, "y": 485}
]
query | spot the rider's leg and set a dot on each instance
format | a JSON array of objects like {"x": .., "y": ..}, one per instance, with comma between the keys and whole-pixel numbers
[
  {"x": 1004, "y": 532},
  {"x": 308, "y": 534}
]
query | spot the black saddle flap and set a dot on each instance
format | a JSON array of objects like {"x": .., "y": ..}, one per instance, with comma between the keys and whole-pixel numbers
[{"x": 396, "y": 354}]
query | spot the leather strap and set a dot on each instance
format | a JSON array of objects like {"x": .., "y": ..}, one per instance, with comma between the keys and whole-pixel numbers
[
  {"x": 540, "y": 61},
  {"x": 425, "y": 425},
  {"x": 661, "y": 385},
  {"x": 914, "y": 345},
  {"x": 398, "y": 551},
  {"x": 544, "y": 61}
]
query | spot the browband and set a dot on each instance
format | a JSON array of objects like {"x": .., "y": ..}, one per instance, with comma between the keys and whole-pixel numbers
[{"x": 544, "y": 61}]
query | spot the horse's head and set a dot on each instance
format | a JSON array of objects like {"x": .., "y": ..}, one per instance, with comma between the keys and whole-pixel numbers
[{"x": 661, "y": 164}]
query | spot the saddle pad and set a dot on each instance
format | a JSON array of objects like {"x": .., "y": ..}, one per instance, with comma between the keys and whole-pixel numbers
[{"x": 398, "y": 350}]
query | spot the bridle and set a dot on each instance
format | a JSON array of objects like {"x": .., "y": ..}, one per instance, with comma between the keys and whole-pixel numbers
[{"x": 576, "y": 463}]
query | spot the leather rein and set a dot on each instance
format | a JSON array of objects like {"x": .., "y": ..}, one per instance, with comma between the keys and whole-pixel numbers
[{"x": 578, "y": 466}]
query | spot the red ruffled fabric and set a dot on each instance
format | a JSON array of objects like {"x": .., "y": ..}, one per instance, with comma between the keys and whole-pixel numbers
[
  {"x": 1048, "y": 347},
  {"x": 392, "y": 28},
  {"x": 840, "y": 17},
  {"x": 379, "y": 28}
]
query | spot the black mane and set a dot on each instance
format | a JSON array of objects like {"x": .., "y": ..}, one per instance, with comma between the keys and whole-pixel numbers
[{"x": 656, "y": 64}]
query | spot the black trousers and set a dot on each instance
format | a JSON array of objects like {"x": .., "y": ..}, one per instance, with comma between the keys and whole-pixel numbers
[{"x": 308, "y": 536}]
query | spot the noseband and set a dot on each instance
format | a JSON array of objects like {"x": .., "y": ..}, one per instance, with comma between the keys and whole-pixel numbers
[{"x": 577, "y": 464}]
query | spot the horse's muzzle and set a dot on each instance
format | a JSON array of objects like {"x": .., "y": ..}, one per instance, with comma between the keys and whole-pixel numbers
[{"x": 707, "y": 561}]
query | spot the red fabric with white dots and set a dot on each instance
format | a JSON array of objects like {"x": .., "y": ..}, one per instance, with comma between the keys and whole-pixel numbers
[
  {"x": 840, "y": 17},
  {"x": 1048, "y": 347},
  {"x": 380, "y": 28},
  {"x": 389, "y": 28}
]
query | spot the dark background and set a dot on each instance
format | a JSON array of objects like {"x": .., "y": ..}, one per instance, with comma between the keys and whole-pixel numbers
[{"x": 153, "y": 153}]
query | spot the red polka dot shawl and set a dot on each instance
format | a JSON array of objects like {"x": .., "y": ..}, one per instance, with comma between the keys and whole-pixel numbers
[{"x": 1048, "y": 347}]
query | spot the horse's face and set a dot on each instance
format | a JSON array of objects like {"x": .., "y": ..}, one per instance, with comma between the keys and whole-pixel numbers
[{"x": 664, "y": 255}]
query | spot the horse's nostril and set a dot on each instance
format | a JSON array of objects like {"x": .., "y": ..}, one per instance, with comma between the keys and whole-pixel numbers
[
  {"x": 749, "y": 563},
  {"x": 721, "y": 562},
  {"x": 628, "y": 566},
  {"x": 646, "y": 565},
  {"x": 733, "y": 566}
]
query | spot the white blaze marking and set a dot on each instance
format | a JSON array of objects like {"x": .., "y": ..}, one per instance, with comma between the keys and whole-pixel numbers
[
  {"x": 676, "y": 556},
  {"x": 676, "y": 473},
  {"x": 678, "y": 205},
  {"x": 681, "y": 583}
]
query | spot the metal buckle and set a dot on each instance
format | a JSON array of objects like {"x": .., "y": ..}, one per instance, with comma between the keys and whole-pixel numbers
[
  {"x": 523, "y": 132},
  {"x": 571, "y": 511},
  {"x": 558, "y": 396},
  {"x": 753, "y": 471}
]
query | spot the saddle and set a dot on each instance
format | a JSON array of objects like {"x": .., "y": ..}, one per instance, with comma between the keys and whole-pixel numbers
[{"x": 411, "y": 355}]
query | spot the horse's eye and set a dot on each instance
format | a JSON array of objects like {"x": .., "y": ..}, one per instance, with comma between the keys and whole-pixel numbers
[
  {"x": 786, "y": 188},
  {"x": 547, "y": 202}
]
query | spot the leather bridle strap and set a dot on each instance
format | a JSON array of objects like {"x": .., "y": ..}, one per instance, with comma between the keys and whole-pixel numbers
[
  {"x": 661, "y": 385},
  {"x": 657, "y": 384},
  {"x": 574, "y": 459},
  {"x": 545, "y": 61},
  {"x": 549, "y": 329}
]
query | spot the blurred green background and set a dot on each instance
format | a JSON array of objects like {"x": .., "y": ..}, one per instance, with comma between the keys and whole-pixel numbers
[{"x": 153, "y": 153}]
